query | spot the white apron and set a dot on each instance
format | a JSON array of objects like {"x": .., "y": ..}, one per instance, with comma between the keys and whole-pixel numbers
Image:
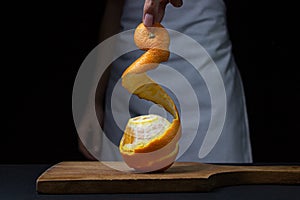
[{"x": 205, "y": 22}]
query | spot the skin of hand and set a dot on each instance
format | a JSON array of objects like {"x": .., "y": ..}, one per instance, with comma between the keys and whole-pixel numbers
[{"x": 154, "y": 10}]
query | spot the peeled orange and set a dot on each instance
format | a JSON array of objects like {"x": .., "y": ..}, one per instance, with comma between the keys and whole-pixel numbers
[{"x": 150, "y": 142}]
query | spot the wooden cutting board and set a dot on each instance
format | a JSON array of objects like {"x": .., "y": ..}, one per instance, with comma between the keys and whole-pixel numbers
[{"x": 97, "y": 177}]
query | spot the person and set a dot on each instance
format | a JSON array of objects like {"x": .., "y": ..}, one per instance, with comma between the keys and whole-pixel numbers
[{"x": 205, "y": 22}]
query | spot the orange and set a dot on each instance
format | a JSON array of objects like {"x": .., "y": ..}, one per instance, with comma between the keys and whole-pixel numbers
[{"x": 150, "y": 142}]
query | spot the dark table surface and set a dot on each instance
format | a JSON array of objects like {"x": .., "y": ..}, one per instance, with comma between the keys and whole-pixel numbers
[{"x": 18, "y": 182}]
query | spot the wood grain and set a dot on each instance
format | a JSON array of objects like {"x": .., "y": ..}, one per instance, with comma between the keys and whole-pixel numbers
[{"x": 97, "y": 177}]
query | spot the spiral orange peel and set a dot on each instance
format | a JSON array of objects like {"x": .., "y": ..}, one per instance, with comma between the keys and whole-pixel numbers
[{"x": 150, "y": 142}]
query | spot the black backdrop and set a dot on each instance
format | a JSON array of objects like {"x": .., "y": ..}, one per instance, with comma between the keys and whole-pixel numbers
[{"x": 46, "y": 42}]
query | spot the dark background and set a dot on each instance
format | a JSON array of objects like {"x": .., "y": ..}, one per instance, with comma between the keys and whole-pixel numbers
[{"x": 46, "y": 42}]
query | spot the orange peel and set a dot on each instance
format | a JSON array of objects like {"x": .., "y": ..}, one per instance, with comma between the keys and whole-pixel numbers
[{"x": 150, "y": 142}]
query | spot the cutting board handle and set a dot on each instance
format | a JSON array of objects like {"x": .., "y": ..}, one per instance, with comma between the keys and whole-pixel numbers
[{"x": 237, "y": 175}]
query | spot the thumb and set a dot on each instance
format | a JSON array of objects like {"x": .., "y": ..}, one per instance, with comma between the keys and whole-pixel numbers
[{"x": 153, "y": 11}]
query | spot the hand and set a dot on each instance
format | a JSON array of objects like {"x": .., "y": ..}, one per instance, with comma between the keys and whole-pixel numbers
[{"x": 154, "y": 10}]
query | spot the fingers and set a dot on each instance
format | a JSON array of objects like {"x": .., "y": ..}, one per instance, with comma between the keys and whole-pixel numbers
[
  {"x": 148, "y": 19},
  {"x": 154, "y": 10},
  {"x": 150, "y": 12},
  {"x": 176, "y": 3}
]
